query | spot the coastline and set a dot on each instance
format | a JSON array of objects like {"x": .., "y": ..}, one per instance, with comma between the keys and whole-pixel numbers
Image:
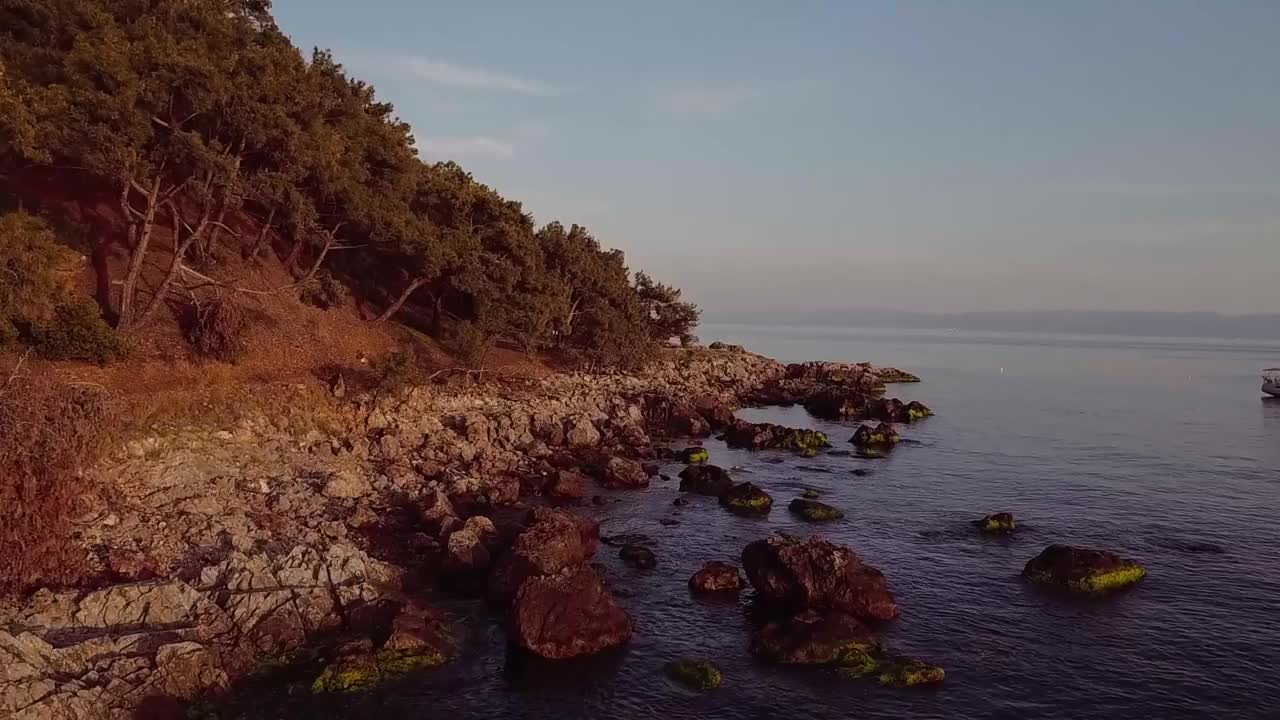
[{"x": 225, "y": 550}]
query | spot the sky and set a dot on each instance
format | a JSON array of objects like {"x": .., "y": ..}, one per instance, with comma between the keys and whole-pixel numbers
[{"x": 927, "y": 155}]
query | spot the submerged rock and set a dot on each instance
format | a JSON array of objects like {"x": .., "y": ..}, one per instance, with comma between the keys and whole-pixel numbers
[
  {"x": 767, "y": 436},
  {"x": 908, "y": 673},
  {"x": 998, "y": 523},
  {"x": 810, "y": 494},
  {"x": 814, "y": 511},
  {"x": 638, "y": 556},
  {"x": 693, "y": 455},
  {"x": 812, "y": 637},
  {"x": 1081, "y": 570},
  {"x": 709, "y": 480},
  {"x": 746, "y": 499},
  {"x": 716, "y": 577},
  {"x": 567, "y": 615},
  {"x": 880, "y": 435},
  {"x": 695, "y": 674},
  {"x": 567, "y": 485},
  {"x": 800, "y": 574}
]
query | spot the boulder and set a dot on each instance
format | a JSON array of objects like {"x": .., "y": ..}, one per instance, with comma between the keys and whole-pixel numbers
[
  {"x": 623, "y": 474},
  {"x": 881, "y": 435},
  {"x": 799, "y": 574},
  {"x": 746, "y": 499},
  {"x": 694, "y": 674},
  {"x": 436, "y": 512},
  {"x": 693, "y": 455},
  {"x": 709, "y": 480},
  {"x": 581, "y": 432},
  {"x": 813, "y": 637},
  {"x": 716, "y": 413},
  {"x": 685, "y": 421},
  {"x": 567, "y": 485},
  {"x": 716, "y": 577},
  {"x": 1081, "y": 570},
  {"x": 554, "y": 542},
  {"x": 997, "y": 524},
  {"x": 905, "y": 672},
  {"x": 638, "y": 556},
  {"x": 814, "y": 511},
  {"x": 567, "y": 615},
  {"x": 767, "y": 436}
]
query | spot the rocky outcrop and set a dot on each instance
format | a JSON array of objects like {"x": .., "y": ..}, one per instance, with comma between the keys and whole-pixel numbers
[
  {"x": 767, "y": 436},
  {"x": 100, "y": 653},
  {"x": 1082, "y": 570},
  {"x": 567, "y": 615},
  {"x": 793, "y": 574},
  {"x": 710, "y": 480},
  {"x": 622, "y": 474},
  {"x": 716, "y": 577}
]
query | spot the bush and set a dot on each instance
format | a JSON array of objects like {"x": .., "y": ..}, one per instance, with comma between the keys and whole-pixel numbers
[
  {"x": 76, "y": 332},
  {"x": 48, "y": 435},
  {"x": 216, "y": 329},
  {"x": 395, "y": 370},
  {"x": 324, "y": 291},
  {"x": 8, "y": 334},
  {"x": 471, "y": 343}
]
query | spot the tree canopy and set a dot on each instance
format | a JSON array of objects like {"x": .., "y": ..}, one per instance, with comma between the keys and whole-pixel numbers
[{"x": 193, "y": 109}]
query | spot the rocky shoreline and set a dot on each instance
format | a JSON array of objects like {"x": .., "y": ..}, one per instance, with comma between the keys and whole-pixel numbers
[{"x": 226, "y": 550}]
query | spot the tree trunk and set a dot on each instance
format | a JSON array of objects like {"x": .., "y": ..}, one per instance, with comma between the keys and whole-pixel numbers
[
  {"x": 399, "y": 303},
  {"x": 179, "y": 252},
  {"x": 262, "y": 235},
  {"x": 140, "y": 233},
  {"x": 315, "y": 267}
]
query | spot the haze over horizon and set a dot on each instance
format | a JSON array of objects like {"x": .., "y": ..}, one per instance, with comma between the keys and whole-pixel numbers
[{"x": 923, "y": 157}]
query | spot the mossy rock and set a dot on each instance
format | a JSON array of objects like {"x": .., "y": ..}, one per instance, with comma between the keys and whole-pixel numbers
[
  {"x": 997, "y": 524},
  {"x": 695, "y": 674},
  {"x": 909, "y": 673},
  {"x": 363, "y": 672},
  {"x": 917, "y": 411},
  {"x": 814, "y": 511},
  {"x": 693, "y": 455},
  {"x": 882, "y": 435},
  {"x": 857, "y": 660},
  {"x": 746, "y": 499},
  {"x": 810, "y": 494},
  {"x": 1083, "y": 571}
]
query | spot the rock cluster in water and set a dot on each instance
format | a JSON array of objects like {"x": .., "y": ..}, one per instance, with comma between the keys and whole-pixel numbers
[{"x": 1082, "y": 570}]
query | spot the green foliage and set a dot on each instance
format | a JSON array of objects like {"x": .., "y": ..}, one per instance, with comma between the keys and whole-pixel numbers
[
  {"x": 76, "y": 332},
  {"x": 195, "y": 108},
  {"x": 37, "y": 274},
  {"x": 324, "y": 291}
]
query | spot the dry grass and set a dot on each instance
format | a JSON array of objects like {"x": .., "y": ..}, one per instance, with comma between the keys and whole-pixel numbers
[{"x": 49, "y": 433}]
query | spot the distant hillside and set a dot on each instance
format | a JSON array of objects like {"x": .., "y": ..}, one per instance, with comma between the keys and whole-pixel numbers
[{"x": 1082, "y": 322}]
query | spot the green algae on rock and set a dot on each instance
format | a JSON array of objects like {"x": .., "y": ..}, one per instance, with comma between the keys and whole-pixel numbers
[
  {"x": 1082, "y": 570},
  {"x": 693, "y": 455},
  {"x": 997, "y": 523},
  {"x": 880, "y": 435},
  {"x": 357, "y": 673},
  {"x": 695, "y": 674},
  {"x": 857, "y": 660},
  {"x": 746, "y": 499},
  {"x": 767, "y": 436},
  {"x": 810, "y": 494},
  {"x": 909, "y": 673},
  {"x": 814, "y": 511}
]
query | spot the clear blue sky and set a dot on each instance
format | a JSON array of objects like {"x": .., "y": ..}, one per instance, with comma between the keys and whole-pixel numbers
[{"x": 1118, "y": 154}]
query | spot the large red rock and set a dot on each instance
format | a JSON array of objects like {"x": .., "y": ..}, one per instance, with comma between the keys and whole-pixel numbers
[
  {"x": 801, "y": 574},
  {"x": 555, "y": 541},
  {"x": 624, "y": 474},
  {"x": 567, "y": 615}
]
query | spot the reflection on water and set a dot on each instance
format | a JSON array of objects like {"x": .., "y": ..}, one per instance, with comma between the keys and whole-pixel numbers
[{"x": 1153, "y": 448}]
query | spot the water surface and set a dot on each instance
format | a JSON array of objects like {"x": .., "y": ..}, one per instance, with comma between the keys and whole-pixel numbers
[{"x": 1160, "y": 449}]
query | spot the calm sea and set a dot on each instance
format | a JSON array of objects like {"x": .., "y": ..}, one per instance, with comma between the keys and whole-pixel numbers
[{"x": 1160, "y": 449}]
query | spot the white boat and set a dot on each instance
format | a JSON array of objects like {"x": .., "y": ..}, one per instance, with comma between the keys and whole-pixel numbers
[{"x": 1271, "y": 381}]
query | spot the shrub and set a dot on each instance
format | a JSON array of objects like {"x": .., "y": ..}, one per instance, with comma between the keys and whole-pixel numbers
[
  {"x": 37, "y": 275},
  {"x": 76, "y": 332},
  {"x": 324, "y": 291},
  {"x": 216, "y": 329},
  {"x": 394, "y": 370},
  {"x": 471, "y": 343},
  {"x": 8, "y": 333},
  {"x": 48, "y": 435}
]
